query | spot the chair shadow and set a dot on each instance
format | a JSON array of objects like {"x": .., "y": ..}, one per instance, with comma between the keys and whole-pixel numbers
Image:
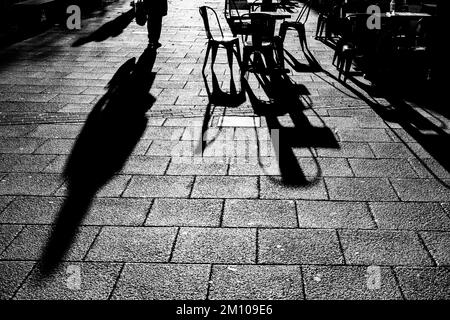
[
  {"x": 111, "y": 132},
  {"x": 432, "y": 137},
  {"x": 110, "y": 29},
  {"x": 288, "y": 98},
  {"x": 312, "y": 64},
  {"x": 217, "y": 97}
]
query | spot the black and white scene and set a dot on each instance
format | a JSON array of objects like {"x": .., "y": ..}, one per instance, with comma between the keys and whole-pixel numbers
[{"x": 224, "y": 150}]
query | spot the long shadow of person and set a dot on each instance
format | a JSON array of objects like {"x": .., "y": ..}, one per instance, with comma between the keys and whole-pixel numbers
[
  {"x": 108, "y": 137},
  {"x": 110, "y": 29}
]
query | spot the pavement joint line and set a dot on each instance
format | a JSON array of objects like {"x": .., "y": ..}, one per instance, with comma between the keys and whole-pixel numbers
[
  {"x": 372, "y": 216},
  {"x": 208, "y": 289},
  {"x": 231, "y": 227},
  {"x": 341, "y": 248},
  {"x": 407, "y": 266},
  {"x": 397, "y": 281},
  {"x": 152, "y": 203},
  {"x": 22, "y": 283},
  {"x": 175, "y": 241},
  {"x": 111, "y": 293},
  {"x": 422, "y": 242},
  {"x": 12, "y": 240},
  {"x": 91, "y": 245}
]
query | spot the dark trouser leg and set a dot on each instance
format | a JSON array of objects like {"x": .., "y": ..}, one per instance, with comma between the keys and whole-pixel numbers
[{"x": 154, "y": 25}]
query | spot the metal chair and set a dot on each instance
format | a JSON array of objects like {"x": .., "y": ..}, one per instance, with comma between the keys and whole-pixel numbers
[
  {"x": 264, "y": 46},
  {"x": 298, "y": 25},
  {"x": 237, "y": 16},
  {"x": 214, "y": 43}
]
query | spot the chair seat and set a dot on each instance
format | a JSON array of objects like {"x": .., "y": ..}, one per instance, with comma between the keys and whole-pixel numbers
[
  {"x": 249, "y": 43},
  {"x": 225, "y": 39},
  {"x": 293, "y": 24}
]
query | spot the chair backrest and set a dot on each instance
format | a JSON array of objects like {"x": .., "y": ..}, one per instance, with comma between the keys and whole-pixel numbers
[
  {"x": 303, "y": 14},
  {"x": 206, "y": 21},
  {"x": 262, "y": 28},
  {"x": 233, "y": 7}
]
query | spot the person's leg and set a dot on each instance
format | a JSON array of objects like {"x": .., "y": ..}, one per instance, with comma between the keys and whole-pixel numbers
[{"x": 154, "y": 26}]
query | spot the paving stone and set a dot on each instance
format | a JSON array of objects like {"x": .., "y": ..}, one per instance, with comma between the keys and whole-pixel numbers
[
  {"x": 363, "y": 135},
  {"x": 391, "y": 150},
  {"x": 325, "y": 167},
  {"x": 163, "y": 133},
  {"x": 24, "y": 162},
  {"x": 16, "y": 130},
  {"x": 7, "y": 234},
  {"x": 56, "y": 146},
  {"x": 215, "y": 245},
  {"x": 382, "y": 168},
  {"x": 172, "y": 148},
  {"x": 256, "y": 282},
  {"x": 424, "y": 166},
  {"x": 225, "y": 187},
  {"x": 29, "y": 184},
  {"x": 30, "y": 243},
  {"x": 185, "y": 212},
  {"x": 138, "y": 244},
  {"x": 117, "y": 211},
  {"x": 184, "y": 122},
  {"x": 141, "y": 147},
  {"x": 96, "y": 282},
  {"x": 360, "y": 189},
  {"x": 146, "y": 165},
  {"x": 113, "y": 188},
  {"x": 32, "y": 210},
  {"x": 425, "y": 283},
  {"x": 333, "y": 214},
  {"x": 254, "y": 167},
  {"x": 19, "y": 145},
  {"x": 420, "y": 190},
  {"x": 229, "y": 121},
  {"x": 438, "y": 244},
  {"x": 55, "y": 131},
  {"x": 410, "y": 216},
  {"x": 57, "y": 165},
  {"x": 12, "y": 273},
  {"x": 274, "y": 188},
  {"x": 159, "y": 186},
  {"x": 349, "y": 283},
  {"x": 4, "y": 201},
  {"x": 383, "y": 247},
  {"x": 197, "y": 166},
  {"x": 162, "y": 282},
  {"x": 259, "y": 213},
  {"x": 298, "y": 246}
]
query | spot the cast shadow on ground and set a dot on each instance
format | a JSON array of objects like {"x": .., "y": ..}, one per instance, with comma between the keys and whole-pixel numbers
[
  {"x": 289, "y": 98},
  {"x": 110, "y": 29},
  {"x": 432, "y": 136},
  {"x": 111, "y": 132},
  {"x": 217, "y": 97},
  {"x": 285, "y": 97}
]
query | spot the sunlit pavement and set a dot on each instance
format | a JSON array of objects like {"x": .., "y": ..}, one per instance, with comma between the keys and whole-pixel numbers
[{"x": 370, "y": 220}]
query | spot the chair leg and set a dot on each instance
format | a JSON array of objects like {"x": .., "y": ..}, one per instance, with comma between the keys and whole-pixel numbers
[
  {"x": 245, "y": 60},
  {"x": 230, "y": 64},
  {"x": 302, "y": 36},
  {"x": 283, "y": 30},
  {"x": 208, "y": 48},
  {"x": 279, "y": 50},
  {"x": 348, "y": 65},
  {"x": 319, "y": 24},
  {"x": 214, "y": 49}
]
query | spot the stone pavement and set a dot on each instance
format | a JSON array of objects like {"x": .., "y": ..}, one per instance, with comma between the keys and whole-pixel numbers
[{"x": 373, "y": 221}]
